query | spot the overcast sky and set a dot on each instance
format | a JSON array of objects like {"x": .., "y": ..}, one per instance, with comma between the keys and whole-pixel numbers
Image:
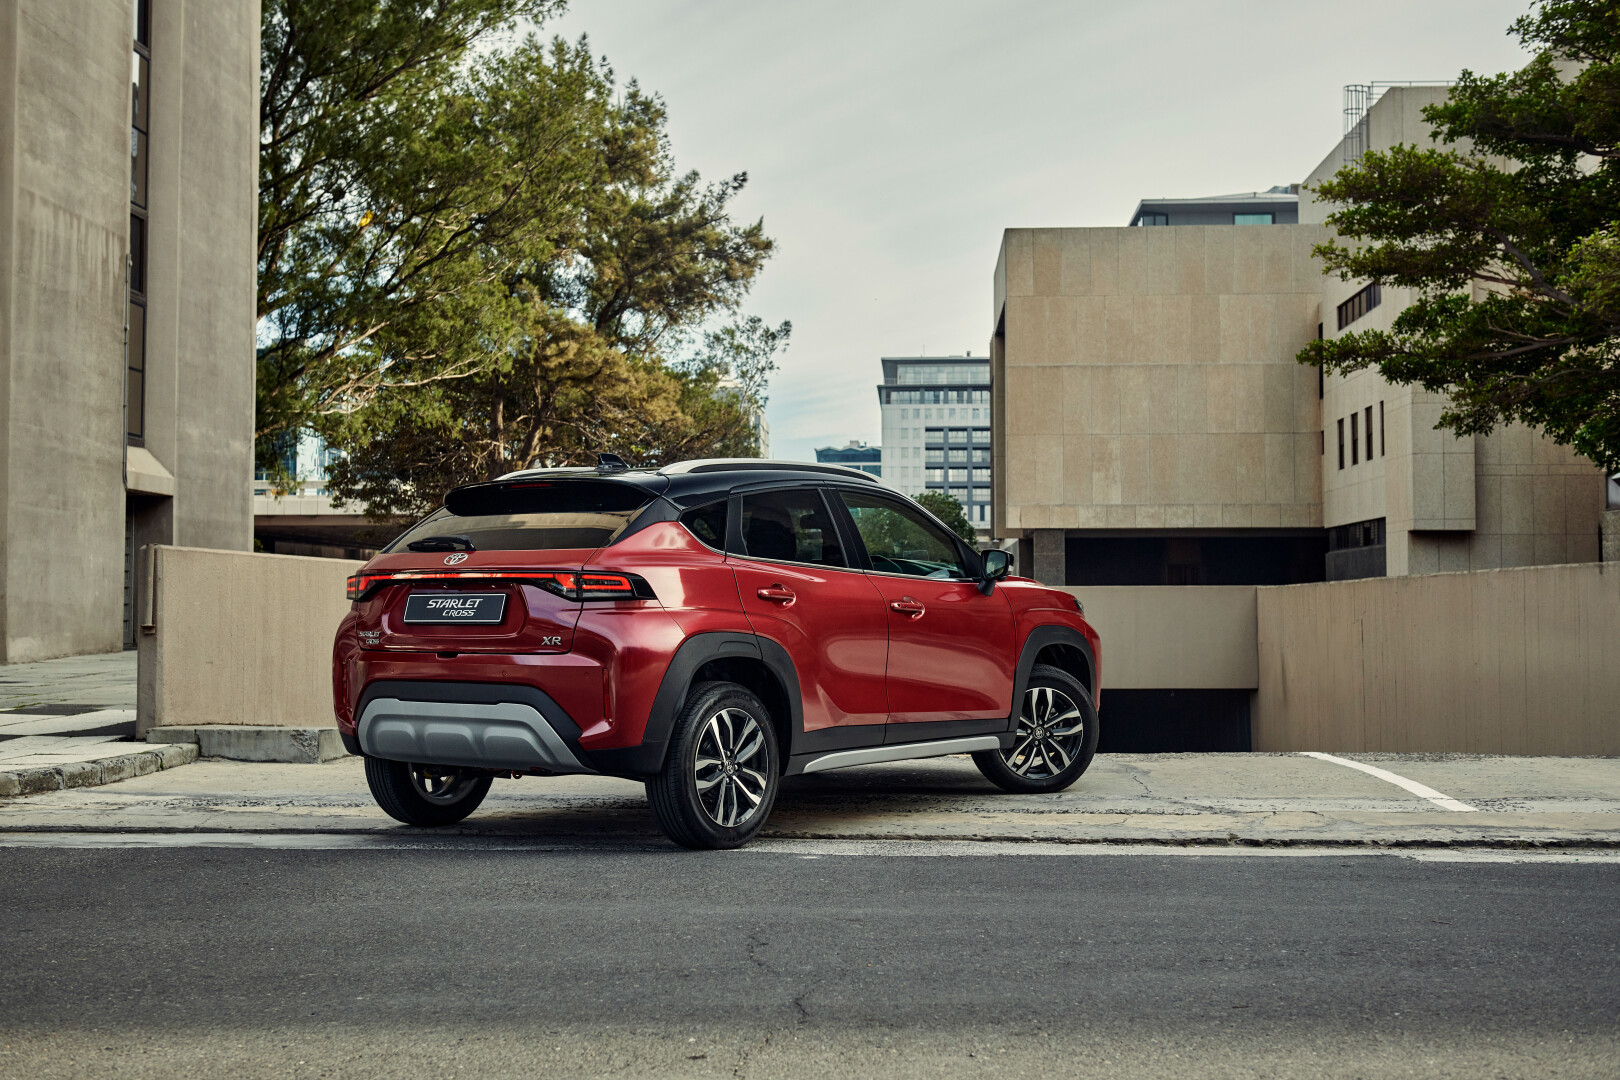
[{"x": 888, "y": 144}]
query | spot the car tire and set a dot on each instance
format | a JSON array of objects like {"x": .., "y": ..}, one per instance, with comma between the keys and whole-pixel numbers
[
  {"x": 1055, "y": 736},
  {"x": 426, "y": 795},
  {"x": 721, "y": 774}
]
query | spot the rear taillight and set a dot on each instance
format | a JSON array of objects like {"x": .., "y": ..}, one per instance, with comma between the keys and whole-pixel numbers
[{"x": 590, "y": 586}]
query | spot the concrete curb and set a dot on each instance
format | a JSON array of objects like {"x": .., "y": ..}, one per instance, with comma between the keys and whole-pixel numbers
[
  {"x": 610, "y": 839},
  {"x": 94, "y": 773},
  {"x": 240, "y": 742}
]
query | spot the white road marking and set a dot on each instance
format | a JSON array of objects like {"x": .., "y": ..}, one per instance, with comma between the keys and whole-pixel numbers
[
  {"x": 1399, "y": 781},
  {"x": 803, "y": 849}
]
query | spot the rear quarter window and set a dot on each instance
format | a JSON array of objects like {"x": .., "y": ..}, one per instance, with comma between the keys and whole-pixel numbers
[{"x": 708, "y": 523}]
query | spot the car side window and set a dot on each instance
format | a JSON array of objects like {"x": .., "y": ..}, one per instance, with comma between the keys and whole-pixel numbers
[
  {"x": 793, "y": 525},
  {"x": 708, "y": 523},
  {"x": 899, "y": 539}
]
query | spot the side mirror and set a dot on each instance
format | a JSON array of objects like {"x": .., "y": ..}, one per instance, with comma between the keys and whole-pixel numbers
[{"x": 997, "y": 565}]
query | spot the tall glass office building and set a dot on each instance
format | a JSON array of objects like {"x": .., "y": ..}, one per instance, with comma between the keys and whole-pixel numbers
[{"x": 936, "y": 428}]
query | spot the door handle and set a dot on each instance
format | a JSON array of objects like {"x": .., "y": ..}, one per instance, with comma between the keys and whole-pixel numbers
[
  {"x": 907, "y": 606},
  {"x": 779, "y": 593}
]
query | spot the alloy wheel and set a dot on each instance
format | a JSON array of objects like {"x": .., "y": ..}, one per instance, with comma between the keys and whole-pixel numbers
[
  {"x": 729, "y": 767},
  {"x": 440, "y": 785},
  {"x": 1051, "y": 729}
]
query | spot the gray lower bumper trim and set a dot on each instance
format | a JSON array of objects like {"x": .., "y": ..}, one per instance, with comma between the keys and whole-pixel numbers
[
  {"x": 902, "y": 752},
  {"x": 507, "y": 735}
]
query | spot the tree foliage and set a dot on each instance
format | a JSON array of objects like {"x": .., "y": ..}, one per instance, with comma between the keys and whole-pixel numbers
[
  {"x": 477, "y": 255},
  {"x": 950, "y": 512},
  {"x": 1509, "y": 238}
]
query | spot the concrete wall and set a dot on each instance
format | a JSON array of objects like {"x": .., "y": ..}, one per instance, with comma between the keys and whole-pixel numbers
[
  {"x": 66, "y": 497},
  {"x": 1145, "y": 378},
  {"x": 239, "y": 638},
  {"x": 1168, "y": 637},
  {"x": 1513, "y": 661},
  {"x": 202, "y": 268},
  {"x": 64, "y": 226}
]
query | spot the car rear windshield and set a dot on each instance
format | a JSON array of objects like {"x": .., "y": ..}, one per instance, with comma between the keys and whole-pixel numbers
[{"x": 530, "y": 516}]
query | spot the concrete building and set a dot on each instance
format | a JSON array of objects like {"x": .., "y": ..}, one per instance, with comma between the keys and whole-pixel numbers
[
  {"x": 1153, "y": 428},
  {"x": 128, "y": 201},
  {"x": 1399, "y": 497},
  {"x": 857, "y": 455},
  {"x": 936, "y": 429},
  {"x": 1275, "y": 206}
]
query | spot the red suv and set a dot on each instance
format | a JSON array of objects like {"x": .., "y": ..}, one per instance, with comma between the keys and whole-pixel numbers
[{"x": 707, "y": 628}]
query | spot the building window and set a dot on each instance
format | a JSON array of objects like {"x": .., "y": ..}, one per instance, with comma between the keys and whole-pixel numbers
[
  {"x": 935, "y": 457},
  {"x": 1380, "y": 429},
  {"x": 140, "y": 108},
  {"x": 934, "y": 435},
  {"x": 957, "y": 476},
  {"x": 981, "y": 476},
  {"x": 1151, "y": 219},
  {"x": 981, "y": 457},
  {"x": 1359, "y": 534},
  {"x": 1369, "y": 433},
  {"x": 1358, "y": 305},
  {"x": 1355, "y": 440},
  {"x": 936, "y": 476},
  {"x": 1341, "y": 442},
  {"x": 959, "y": 436},
  {"x": 1251, "y": 219},
  {"x": 958, "y": 455},
  {"x": 981, "y": 436}
]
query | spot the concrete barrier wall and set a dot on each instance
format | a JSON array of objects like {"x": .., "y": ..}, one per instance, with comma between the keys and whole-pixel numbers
[
  {"x": 238, "y": 638},
  {"x": 1174, "y": 637},
  {"x": 1520, "y": 661}
]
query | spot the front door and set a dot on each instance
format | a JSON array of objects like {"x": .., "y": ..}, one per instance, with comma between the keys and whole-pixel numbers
[
  {"x": 800, "y": 590},
  {"x": 950, "y": 646}
]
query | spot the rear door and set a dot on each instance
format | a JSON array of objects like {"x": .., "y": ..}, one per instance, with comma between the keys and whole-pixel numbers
[
  {"x": 950, "y": 646},
  {"x": 800, "y": 589}
]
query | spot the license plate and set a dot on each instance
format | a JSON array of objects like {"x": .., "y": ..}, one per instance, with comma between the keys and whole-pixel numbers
[{"x": 456, "y": 608}]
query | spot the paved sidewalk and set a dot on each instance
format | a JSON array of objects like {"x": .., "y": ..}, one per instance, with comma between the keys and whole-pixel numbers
[
  {"x": 1246, "y": 799},
  {"x": 71, "y": 723}
]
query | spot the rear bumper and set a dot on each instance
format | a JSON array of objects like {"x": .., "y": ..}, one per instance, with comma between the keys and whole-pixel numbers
[{"x": 477, "y": 725}]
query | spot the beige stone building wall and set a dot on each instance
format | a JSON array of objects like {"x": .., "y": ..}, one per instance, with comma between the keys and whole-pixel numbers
[
  {"x": 69, "y": 489},
  {"x": 1511, "y": 498},
  {"x": 64, "y": 223},
  {"x": 1145, "y": 379}
]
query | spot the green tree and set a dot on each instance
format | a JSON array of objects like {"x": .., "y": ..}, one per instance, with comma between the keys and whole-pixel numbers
[
  {"x": 949, "y": 511},
  {"x": 595, "y": 352},
  {"x": 1509, "y": 238},
  {"x": 476, "y": 255},
  {"x": 391, "y": 162}
]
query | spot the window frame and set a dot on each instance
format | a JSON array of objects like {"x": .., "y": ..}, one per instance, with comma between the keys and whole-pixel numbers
[
  {"x": 843, "y": 528},
  {"x": 972, "y": 561}
]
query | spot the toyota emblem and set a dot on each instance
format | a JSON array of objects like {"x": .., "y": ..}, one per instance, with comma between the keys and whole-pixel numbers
[{"x": 458, "y": 557}]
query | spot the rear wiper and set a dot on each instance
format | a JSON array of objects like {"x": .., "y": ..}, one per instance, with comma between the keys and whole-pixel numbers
[{"x": 442, "y": 543}]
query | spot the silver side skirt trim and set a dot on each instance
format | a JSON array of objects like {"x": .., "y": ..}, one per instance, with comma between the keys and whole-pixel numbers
[{"x": 902, "y": 752}]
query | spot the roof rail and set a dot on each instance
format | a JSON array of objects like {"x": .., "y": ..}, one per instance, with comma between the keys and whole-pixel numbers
[{"x": 706, "y": 465}]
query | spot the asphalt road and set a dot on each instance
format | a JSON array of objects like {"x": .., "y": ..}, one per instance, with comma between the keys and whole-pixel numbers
[{"x": 641, "y": 960}]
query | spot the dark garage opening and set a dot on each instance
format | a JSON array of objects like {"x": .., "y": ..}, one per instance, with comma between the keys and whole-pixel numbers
[
  {"x": 1233, "y": 559},
  {"x": 1174, "y": 721}
]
